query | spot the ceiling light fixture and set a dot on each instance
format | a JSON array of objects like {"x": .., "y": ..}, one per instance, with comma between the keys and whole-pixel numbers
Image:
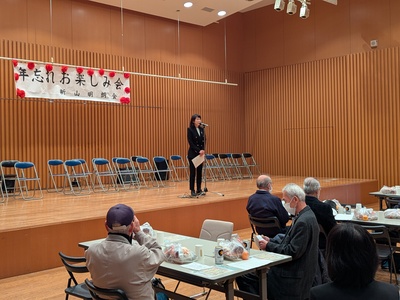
[
  {"x": 188, "y": 4},
  {"x": 291, "y": 8},
  {"x": 304, "y": 10},
  {"x": 279, "y": 5},
  {"x": 221, "y": 13}
]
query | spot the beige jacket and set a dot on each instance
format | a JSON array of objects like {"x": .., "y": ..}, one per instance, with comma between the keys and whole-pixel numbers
[{"x": 115, "y": 263}]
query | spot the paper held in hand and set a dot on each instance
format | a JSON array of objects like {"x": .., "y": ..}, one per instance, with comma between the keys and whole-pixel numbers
[{"x": 198, "y": 160}]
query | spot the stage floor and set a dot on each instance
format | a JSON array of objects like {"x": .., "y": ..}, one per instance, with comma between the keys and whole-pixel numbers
[
  {"x": 59, "y": 208},
  {"x": 34, "y": 231}
]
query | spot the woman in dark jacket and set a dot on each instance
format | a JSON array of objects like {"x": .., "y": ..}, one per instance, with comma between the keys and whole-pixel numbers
[{"x": 196, "y": 140}]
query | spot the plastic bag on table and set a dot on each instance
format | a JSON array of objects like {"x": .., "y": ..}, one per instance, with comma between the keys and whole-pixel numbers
[
  {"x": 176, "y": 253},
  {"x": 388, "y": 190},
  {"x": 392, "y": 213},
  {"x": 365, "y": 214},
  {"x": 234, "y": 249}
]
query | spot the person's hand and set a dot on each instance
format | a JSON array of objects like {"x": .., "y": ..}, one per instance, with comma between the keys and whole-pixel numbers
[
  {"x": 202, "y": 152},
  {"x": 263, "y": 243},
  {"x": 136, "y": 225}
]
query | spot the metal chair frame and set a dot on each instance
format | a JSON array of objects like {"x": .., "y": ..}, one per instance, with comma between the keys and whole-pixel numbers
[
  {"x": 27, "y": 174},
  {"x": 127, "y": 176},
  {"x": 56, "y": 170},
  {"x": 177, "y": 163},
  {"x": 75, "y": 265},
  {"x": 77, "y": 177},
  {"x": 145, "y": 170},
  {"x": 270, "y": 222},
  {"x": 250, "y": 162},
  {"x": 160, "y": 173},
  {"x": 6, "y": 177},
  {"x": 228, "y": 166},
  {"x": 213, "y": 168},
  {"x": 102, "y": 171},
  {"x": 385, "y": 250},
  {"x": 101, "y": 294},
  {"x": 237, "y": 161}
]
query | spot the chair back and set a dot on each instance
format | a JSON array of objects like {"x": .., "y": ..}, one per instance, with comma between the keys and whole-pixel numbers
[
  {"x": 212, "y": 230},
  {"x": 73, "y": 265},
  {"x": 384, "y": 246},
  {"x": 270, "y": 222},
  {"x": 100, "y": 293}
]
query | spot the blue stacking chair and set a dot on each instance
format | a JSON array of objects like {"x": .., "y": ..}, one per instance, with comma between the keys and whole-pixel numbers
[
  {"x": 77, "y": 178},
  {"x": 56, "y": 172},
  {"x": 127, "y": 176},
  {"x": 104, "y": 176},
  {"x": 28, "y": 180},
  {"x": 177, "y": 163}
]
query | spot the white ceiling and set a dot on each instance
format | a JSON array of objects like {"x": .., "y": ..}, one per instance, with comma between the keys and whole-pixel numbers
[{"x": 203, "y": 12}]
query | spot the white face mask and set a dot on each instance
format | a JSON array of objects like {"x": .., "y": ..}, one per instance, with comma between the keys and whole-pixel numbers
[{"x": 290, "y": 210}]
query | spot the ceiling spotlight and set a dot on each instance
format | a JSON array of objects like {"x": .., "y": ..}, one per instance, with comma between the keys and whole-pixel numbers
[
  {"x": 291, "y": 7},
  {"x": 304, "y": 11},
  {"x": 221, "y": 13},
  {"x": 279, "y": 5},
  {"x": 188, "y": 4}
]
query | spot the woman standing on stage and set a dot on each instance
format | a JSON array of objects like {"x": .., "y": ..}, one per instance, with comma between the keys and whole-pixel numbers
[{"x": 196, "y": 140}]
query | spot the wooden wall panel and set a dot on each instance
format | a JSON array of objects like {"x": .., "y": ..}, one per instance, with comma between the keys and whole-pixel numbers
[
  {"x": 154, "y": 123},
  {"x": 273, "y": 39},
  {"x": 329, "y": 118}
]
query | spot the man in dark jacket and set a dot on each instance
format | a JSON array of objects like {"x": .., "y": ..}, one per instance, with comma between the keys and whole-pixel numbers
[
  {"x": 263, "y": 204},
  {"x": 323, "y": 211},
  {"x": 291, "y": 280}
]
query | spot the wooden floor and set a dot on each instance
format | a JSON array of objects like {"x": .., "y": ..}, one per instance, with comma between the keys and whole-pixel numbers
[{"x": 33, "y": 232}]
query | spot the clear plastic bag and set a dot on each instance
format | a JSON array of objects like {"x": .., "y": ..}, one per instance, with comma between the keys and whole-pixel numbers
[
  {"x": 392, "y": 213},
  {"x": 233, "y": 249},
  {"x": 178, "y": 254},
  {"x": 365, "y": 214},
  {"x": 147, "y": 229}
]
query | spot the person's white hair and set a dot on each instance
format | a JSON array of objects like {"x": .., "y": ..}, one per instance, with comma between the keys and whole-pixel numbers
[
  {"x": 292, "y": 189},
  {"x": 311, "y": 185}
]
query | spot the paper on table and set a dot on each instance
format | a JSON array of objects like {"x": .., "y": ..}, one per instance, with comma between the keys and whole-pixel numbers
[
  {"x": 196, "y": 266},
  {"x": 250, "y": 263},
  {"x": 198, "y": 160},
  {"x": 344, "y": 217}
]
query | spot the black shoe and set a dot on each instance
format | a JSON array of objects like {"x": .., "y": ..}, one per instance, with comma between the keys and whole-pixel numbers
[
  {"x": 200, "y": 193},
  {"x": 193, "y": 193}
]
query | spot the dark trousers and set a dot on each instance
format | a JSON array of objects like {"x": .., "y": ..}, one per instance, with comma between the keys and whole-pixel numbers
[{"x": 195, "y": 173}]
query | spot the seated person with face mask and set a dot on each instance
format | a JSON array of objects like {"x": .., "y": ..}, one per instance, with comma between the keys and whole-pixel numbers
[{"x": 291, "y": 280}]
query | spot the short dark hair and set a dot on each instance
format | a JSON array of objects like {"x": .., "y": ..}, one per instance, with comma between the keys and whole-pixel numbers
[
  {"x": 194, "y": 118},
  {"x": 351, "y": 255}
]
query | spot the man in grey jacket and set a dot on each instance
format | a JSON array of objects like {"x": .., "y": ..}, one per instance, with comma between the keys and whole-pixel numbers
[
  {"x": 128, "y": 258},
  {"x": 291, "y": 280}
]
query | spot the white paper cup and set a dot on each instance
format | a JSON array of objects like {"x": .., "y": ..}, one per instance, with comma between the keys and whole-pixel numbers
[
  {"x": 198, "y": 249},
  {"x": 160, "y": 238},
  {"x": 358, "y": 206}
]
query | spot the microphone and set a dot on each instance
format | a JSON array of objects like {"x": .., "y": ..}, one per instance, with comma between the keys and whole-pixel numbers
[{"x": 204, "y": 124}]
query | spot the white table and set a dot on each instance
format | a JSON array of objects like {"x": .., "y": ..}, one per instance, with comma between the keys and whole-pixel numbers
[
  {"x": 381, "y": 197},
  {"x": 205, "y": 273},
  {"x": 380, "y": 221}
]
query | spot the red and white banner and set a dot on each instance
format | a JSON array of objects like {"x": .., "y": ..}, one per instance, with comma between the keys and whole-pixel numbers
[{"x": 39, "y": 80}]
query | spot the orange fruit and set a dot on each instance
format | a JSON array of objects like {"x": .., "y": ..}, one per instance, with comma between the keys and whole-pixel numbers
[{"x": 245, "y": 255}]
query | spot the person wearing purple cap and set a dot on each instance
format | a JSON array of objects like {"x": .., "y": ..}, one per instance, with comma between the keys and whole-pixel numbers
[{"x": 128, "y": 258}]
